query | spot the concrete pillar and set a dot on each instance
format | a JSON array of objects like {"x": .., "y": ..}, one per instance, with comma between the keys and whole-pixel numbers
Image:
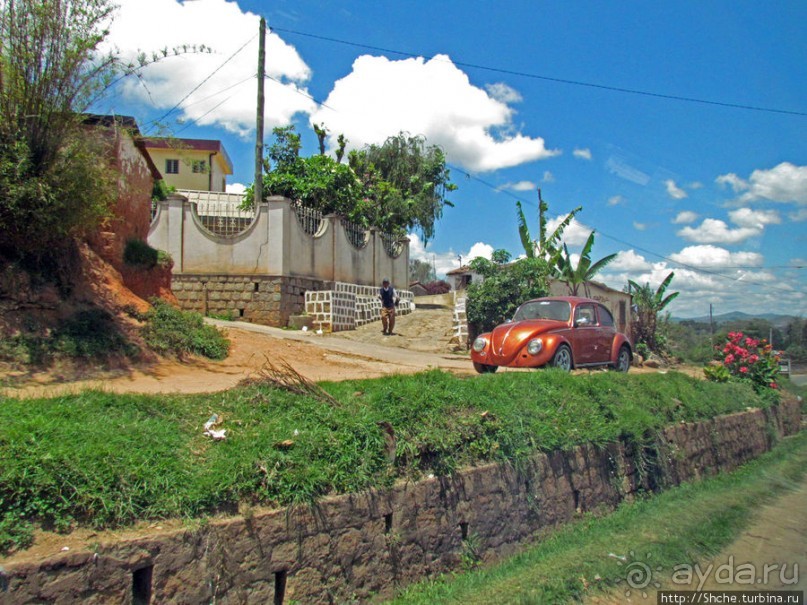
[
  {"x": 279, "y": 213},
  {"x": 177, "y": 206}
]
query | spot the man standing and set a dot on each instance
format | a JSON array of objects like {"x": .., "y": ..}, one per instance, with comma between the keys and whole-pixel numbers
[{"x": 388, "y": 302}]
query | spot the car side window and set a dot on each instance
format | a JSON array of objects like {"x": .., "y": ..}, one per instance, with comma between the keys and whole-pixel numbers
[
  {"x": 585, "y": 315},
  {"x": 606, "y": 319}
]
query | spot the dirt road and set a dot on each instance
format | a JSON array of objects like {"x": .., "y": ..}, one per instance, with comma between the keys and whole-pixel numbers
[{"x": 421, "y": 341}]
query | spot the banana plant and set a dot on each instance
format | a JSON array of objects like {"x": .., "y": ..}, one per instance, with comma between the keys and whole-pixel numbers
[
  {"x": 546, "y": 247},
  {"x": 649, "y": 304},
  {"x": 576, "y": 276}
]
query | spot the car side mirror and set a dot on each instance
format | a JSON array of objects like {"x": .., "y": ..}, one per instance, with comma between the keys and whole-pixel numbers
[{"x": 508, "y": 321}]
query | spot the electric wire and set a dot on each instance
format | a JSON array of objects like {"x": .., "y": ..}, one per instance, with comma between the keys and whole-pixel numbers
[
  {"x": 523, "y": 74},
  {"x": 202, "y": 83}
]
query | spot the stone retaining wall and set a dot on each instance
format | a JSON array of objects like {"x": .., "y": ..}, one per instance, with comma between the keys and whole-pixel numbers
[
  {"x": 268, "y": 300},
  {"x": 356, "y": 547}
]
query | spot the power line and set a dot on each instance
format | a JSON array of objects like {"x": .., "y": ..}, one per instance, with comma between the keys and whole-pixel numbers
[
  {"x": 534, "y": 76},
  {"x": 198, "y": 86}
]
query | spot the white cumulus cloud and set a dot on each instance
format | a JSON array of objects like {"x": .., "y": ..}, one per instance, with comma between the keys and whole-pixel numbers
[
  {"x": 227, "y": 97},
  {"x": 520, "y": 186},
  {"x": 715, "y": 231},
  {"x": 685, "y": 217},
  {"x": 628, "y": 260},
  {"x": 575, "y": 234},
  {"x": 582, "y": 154},
  {"x": 784, "y": 183},
  {"x": 433, "y": 98},
  {"x": 715, "y": 257},
  {"x": 756, "y": 219},
  {"x": 674, "y": 191}
]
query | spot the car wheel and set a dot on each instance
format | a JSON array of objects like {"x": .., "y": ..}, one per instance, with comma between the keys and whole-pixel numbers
[
  {"x": 562, "y": 358},
  {"x": 485, "y": 369},
  {"x": 623, "y": 360}
]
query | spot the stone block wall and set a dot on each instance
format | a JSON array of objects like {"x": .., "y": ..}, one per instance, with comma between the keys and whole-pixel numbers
[
  {"x": 460, "y": 320},
  {"x": 268, "y": 300},
  {"x": 353, "y": 548},
  {"x": 347, "y": 306}
]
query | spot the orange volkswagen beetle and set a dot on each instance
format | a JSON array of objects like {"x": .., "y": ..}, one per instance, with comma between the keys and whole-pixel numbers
[{"x": 565, "y": 332}]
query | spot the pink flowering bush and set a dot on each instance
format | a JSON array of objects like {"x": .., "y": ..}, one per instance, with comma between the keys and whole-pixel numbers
[{"x": 747, "y": 359}]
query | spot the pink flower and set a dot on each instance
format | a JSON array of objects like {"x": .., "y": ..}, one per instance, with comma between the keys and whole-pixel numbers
[
  {"x": 773, "y": 385},
  {"x": 743, "y": 370},
  {"x": 753, "y": 359},
  {"x": 729, "y": 358}
]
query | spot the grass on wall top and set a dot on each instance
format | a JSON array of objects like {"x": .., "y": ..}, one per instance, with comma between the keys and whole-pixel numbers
[{"x": 106, "y": 460}]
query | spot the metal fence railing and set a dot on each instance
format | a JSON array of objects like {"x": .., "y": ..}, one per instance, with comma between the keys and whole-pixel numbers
[
  {"x": 393, "y": 244},
  {"x": 356, "y": 234},
  {"x": 310, "y": 220},
  {"x": 220, "y": 213}
]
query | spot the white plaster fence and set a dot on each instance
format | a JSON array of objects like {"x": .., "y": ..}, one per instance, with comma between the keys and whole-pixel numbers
[{"x": 215, "y": 237}]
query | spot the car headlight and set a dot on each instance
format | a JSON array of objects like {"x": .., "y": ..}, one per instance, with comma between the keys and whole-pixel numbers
[
  {"x": 480, "y": 344},
  {"x": 534, "y": 346}
]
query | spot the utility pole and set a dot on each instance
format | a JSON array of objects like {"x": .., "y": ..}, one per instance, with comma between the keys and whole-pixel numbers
[{"x": 259, "y": 117}]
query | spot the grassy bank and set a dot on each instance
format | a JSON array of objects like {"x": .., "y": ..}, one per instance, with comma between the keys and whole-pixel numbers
[
  {"x": 677, "y": 527},
  {"x": 106, "y": 460}
]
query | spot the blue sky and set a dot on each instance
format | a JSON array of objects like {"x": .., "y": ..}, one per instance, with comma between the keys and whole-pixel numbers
[{"x": 716, "y": 193}]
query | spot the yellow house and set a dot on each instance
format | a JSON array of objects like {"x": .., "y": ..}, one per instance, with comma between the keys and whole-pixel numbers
[{"x": 198, "y": 164}]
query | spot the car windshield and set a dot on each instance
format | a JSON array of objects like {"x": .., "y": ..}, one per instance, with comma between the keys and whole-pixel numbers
[{"x": 557, "y": 310}]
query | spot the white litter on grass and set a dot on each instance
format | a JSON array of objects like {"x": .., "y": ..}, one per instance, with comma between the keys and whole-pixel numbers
[
  {"x": 304, "y": 328},
  {"x": 215, "y": 434}
]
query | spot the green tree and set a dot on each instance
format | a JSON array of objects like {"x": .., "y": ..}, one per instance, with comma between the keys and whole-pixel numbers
[
  {"x": 398, "y": 186},
  {"x": 501, "y": 256},
  {"x": 576, "y": 276},
  {"x": 54, "y": 184},
  {"x": 415, "y": 180},
  {"x": 503, "y": 288},
  {"x": 646, "y": 327},
  {"x": 421, "y": 271}
]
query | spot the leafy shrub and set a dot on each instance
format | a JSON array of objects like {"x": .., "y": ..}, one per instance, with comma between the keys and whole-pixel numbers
[
  {"x": 171, "y": 331},
  {"x": 161, "y": 190},
  {"x": 138, "y": 253},
  {"x": 437, "y": 287},
  {"x": 88, "y": 335},
  {"x": 746, "y": 359},
  {"x": 91, "y": 334},
  {"x": 505, "y": 287}
]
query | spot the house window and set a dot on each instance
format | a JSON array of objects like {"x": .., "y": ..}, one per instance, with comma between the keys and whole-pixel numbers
[
  {"x": 199, "y": 166},
  {"x": 171, "y": 166}
]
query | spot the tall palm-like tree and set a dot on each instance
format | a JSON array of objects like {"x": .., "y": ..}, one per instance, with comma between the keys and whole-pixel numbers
[
  {"x": 648, "y": 304},
  {"x": 576, "y": 276},
  {"x": 546, "y": 246}
]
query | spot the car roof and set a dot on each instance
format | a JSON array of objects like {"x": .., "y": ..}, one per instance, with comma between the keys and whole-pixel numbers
[{"x": 570, "y": 299}]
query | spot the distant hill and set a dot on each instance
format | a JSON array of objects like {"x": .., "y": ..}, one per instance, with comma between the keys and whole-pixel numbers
[{"x": 774, "y": 318}]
